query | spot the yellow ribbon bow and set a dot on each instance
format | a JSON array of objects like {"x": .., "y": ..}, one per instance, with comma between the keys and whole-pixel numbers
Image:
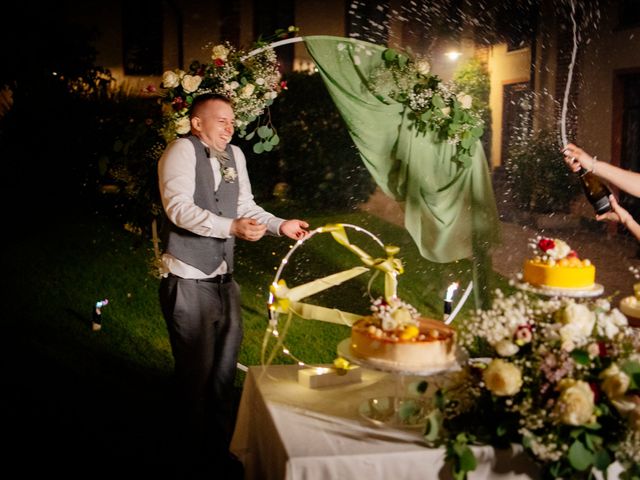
[{"x": 390, "y": 266}]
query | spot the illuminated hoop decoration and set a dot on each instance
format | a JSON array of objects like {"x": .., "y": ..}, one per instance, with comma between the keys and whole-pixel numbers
[{"x": 286, "y": 301}]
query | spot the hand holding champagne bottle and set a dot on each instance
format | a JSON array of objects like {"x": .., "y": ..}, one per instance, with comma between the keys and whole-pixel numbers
[
  {"x": 584, "y": 165},
  {"x": 593, "y": 175}
]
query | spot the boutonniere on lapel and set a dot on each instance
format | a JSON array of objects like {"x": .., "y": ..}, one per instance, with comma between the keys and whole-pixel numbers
[{"x": 229, "y": 174}]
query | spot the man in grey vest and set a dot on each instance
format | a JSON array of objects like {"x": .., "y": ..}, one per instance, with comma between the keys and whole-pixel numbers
[{"x": 207, "y": 200}]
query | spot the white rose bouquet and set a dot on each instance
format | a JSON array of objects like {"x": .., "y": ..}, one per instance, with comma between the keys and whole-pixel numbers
[
  {"x": 250, "y": 83},
  {"x": 558, "y": 376}
]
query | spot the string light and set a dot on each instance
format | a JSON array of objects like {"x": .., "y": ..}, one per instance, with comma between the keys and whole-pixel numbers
[{"x": 273, "y": 314}]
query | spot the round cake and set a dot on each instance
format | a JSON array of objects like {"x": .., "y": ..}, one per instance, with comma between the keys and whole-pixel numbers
[
  {"x": 396, "y": 337},
  {"x": 556, "y": 265},
  {"x": 630, "y": 306}
]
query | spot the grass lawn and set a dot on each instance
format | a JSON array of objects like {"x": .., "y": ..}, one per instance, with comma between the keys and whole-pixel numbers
[{"x": 89, "y": 404}]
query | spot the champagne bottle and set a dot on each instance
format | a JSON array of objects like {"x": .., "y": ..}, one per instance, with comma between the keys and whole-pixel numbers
[{"x": 596, "y": 191}]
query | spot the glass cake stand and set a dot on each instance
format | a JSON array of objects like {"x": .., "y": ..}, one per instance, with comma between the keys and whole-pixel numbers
[
  {"x": 397, "y": 410},
  {"x": 590, "y": 292}
]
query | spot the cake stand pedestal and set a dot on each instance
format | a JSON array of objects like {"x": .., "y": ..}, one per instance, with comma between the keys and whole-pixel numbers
[
  {"x": 594, "y": 291},
  {"x": 398, "y": 410}
]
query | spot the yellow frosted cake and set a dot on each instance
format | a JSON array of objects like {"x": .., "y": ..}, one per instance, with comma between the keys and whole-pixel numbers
[
  {"x": 397, "y": 337},
  {"x": 556, "y": 265},
  {"x": 630, "y": 306}
]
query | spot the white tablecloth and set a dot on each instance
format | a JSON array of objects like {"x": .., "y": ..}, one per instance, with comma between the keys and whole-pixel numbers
[{"x": 288, "y": 431}]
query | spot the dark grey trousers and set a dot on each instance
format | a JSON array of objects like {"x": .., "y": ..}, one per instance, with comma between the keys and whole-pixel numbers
[{"x": 205, "y": 330}]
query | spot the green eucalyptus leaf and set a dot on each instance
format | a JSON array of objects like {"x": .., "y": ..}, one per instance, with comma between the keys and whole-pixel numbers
[
  {"x": 465, "y": 160},
  {"x": 466, "y": 142},
  {"x": 473, "y": 148},
  {"x": 467, "y": 460},
  {"x": 275, "y": 140},
  {"x": 580, "y": 356},
  {"x": 251, "y": 135},
  {"x": 258, "y": 147},
  {"x": 602, "y": 460},
  {"x": 267, "y": 146},
  {"x": 264, "y": 132},
  {"x": 580, "y": 457},
  {"x": 594, "y": 442},
  {"x": 477, "y": 131},
  {"x": 389, "y": 55},
  {"x": 632, "y": 369},
  {"x": 437, "y": 101}
]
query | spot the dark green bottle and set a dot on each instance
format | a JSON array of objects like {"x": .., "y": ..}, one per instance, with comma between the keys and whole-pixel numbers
[{"x": 596, "y": 191}]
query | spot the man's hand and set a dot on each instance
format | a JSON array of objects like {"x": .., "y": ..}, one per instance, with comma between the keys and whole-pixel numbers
[
  {"x": 294, "y": 229},
  {"x": 248, "y": 229}
]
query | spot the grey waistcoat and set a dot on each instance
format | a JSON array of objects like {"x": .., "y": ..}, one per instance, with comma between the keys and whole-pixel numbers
[{"x": 206, "y": 253}]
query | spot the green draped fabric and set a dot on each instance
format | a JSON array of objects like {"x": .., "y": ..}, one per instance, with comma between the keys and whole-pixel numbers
[{"x": 450, "y": 211}]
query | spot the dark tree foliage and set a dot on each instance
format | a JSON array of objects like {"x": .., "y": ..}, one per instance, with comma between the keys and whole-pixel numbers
[{"x": 319, "y": 161}]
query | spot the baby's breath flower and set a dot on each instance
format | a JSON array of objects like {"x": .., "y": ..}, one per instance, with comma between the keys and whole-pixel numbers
[{"x": 570, "y": 379}]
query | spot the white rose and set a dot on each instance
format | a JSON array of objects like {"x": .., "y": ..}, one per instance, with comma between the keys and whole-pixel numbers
[
  {"x": 560, "y": 250},
  {"x": 576, "y": 402},
  {"x": 247, "y": 90},
  {"x": 219, "y": 52},
  {"x": 234, "y": 85},
  {"x": 190, "y": 83},
  {"x": 465, "y": 100},
  {"x": 170, "y": 79},
  {"x": 505, "y": 348},
  {"x": 445, "y": 111},
  {"x": 183, "y": 126},
  {"x": 260, "y": 81},
  {"x": 578, "y": 323},
  {"x": 625, "y": 404},
  {"x": 615, "y": 382},
  {"x": 608, "y": 324},
  {"x": 423, "y": 67},
  {"x": 502, "y": 378}
]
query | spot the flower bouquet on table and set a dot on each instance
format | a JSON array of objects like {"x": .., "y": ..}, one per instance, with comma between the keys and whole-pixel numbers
[
  {"x": 250, "y": 82},
  {"x": 559, "y": 377}
]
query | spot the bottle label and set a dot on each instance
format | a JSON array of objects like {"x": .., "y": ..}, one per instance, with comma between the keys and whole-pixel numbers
[{"x": 602, "y": 205}]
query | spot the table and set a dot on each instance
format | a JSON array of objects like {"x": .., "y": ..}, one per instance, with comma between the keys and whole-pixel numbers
[{"x": 287, "y": 431}]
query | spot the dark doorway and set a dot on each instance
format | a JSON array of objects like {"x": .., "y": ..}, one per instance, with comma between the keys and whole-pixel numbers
[{"x": 630, "y": 138}]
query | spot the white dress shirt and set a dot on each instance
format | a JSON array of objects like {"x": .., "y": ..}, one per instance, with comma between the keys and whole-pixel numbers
[{"x": 176, "y": 175}]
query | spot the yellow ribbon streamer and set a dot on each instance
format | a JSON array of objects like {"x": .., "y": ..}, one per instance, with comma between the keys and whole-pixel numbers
[
  {"x": 390, "y": 266},
  {"x": 286, "y": 300},
  {"x": 282, "y": 295}
]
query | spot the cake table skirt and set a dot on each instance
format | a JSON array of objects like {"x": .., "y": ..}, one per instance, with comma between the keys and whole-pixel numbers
[{"x": 288, "y": 431}]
